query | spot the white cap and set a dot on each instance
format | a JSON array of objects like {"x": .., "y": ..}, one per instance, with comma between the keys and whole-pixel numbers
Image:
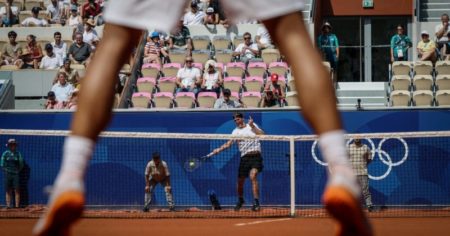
[{"x": 424, "y": 32}]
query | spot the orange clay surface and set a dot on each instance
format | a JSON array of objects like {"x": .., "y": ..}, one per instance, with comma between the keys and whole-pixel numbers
[{"x": 242, "y": 226}]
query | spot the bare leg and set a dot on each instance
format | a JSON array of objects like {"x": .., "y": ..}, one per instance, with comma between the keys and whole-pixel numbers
[
  {"x": 8, "y": 197},
  {"x": 254, "y": 180},
  {"x": 17, "y": 197}
]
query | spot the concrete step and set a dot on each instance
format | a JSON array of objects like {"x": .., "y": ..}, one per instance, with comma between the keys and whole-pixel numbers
[
  {"x": 364, "y": 100},
  {"x": 361, "y": 89}
]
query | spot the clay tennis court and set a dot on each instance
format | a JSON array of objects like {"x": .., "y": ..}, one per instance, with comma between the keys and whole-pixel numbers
[{"x": 243, "y": 226}]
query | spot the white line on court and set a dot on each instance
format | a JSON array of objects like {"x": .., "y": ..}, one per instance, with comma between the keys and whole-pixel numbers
[{"x": 262, "y": 222}]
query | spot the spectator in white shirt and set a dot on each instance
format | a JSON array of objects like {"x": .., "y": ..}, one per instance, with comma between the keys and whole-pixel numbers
[
  {"x": 189, "y": 77},
  {"x": 89, "y": 34},
  {"x": 9, "y": 14},
  {"x": 62, "y": 89},
  {"x": 51, "y": 60},
  {"x": 56, "y": 11},
  {"x": 442, "y": 30},
  {"x": 59, "y": 46},
  {"x": 194, "y": 17},
  {"x": 34, "y": 20},
  {"x": 246, "y": 50},
  {"x": 263, "y": 38},
  {"x": 74, "y": 18}
]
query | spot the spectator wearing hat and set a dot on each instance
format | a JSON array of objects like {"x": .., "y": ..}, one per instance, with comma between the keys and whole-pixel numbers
[
  {"x": 180, "y": 38},
  {"x": 90, "y": 35},
  {"x": 225, "y": 102},
  {"x": 11, "y": 51},
  {"x": 59, "y": 46},
  {"x": 153, "y": 50},
  {"x": 62, "y": 89},
  {"x": 9, "y": 14},
  {"x": 74, "y": 18},
  {"x": 56, "y": 11},
  {"x": 194, "y": 16},
  {"x": 246, "y": 50},
  {"x": 32, "y": 53},
  {"x": 34, "y": 20},
  {"x": 189, "y": 77},
  {"x": 51, "y": 60},
  {"x": 157, "y": 172},
  {"x": 426, "y": 48},
  {"x": 329, "y": 45},
  {"x": 79, "y": 51},
  {"x": 400, "y": 43},
  {"x": 212, "y": 77},
  {"x": 274, "y": 92},
  {"x": 212, "y": 13},
  {"x": 442, "y": 32},
  {"x": 52, "y": 103},
  {"x": 11, "y": 163},
  {"x": 91, "y": 9}
]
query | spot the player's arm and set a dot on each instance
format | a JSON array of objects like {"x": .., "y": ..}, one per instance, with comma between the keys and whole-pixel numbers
[
  {"x": 255, "y": 128},
  {"x": 223, "y": 147}
]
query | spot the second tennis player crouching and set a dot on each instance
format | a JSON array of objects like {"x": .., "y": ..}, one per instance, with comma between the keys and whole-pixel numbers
[
  {"x": 157, "y": 171},
  {"x": 251, "y": 162}
]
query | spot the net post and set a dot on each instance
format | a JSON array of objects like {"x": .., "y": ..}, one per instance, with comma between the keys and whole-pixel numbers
[{"x": 292, "y": 174}]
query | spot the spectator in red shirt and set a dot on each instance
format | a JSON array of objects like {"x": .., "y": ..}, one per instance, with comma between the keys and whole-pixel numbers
[
  {"x": 92, "y": 9},
  {"x": 275, "y": 89}
]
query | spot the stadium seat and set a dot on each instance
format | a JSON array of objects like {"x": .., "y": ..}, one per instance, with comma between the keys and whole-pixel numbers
[
  {"x": 442, "y": 67},
  {"x": 234, "y": 84},
  {"x": 291, "y": 98},
  {"x": 423, "y": 98},
  {"x": 177, "y": 56},
  {"x": 280, "y": 68},
  {"x": 166, "y": 84},
  {"x": 234, "y": 96},
  {"x": 25, "y": 14},
  {"x": 163, "y": 100},
  {"x": 401, "y": 68},
  {"x": 170, "y": 69},
  {"x": 423, "y": 68},
  {"x": 151, "y": 70},
  {"x": 443, "y": 98},
  {"x": 9, "y": 67},
  {"x": 400, "y": 98},
  {"x": 146, "y": 84},
  {"x": 219, "y": 65},
  {"x": 443, "y": 82},
  {"x": 29, "y": 4},
  {"x": 251, "y": 99},
  {"x": 270, "y": 55},
  {"x": 201, "y": 42},
  {"x": 141, "y": 99},
  {"x": 185, "y": 99},
  {"x": 400, "y": 82},
  {"x": 257, "y": 69},
  {"x": 291, "y": 83},
  {"x": 42, "y": 43},
  {"x": 201, "y": 56},
  {"x": 235, "y": 69},
  {"x": 238, "y": 39},
  {"x": 253, "y": 84},
  {"x": 206, "y": 99},
  {"x": 198, "y": 65},
  {"x": 221, "y": 42},
  {"x": 423, "y": 82},
  {"x": 224, "y": 56}
]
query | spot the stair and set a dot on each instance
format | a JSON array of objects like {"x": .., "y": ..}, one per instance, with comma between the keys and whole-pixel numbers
[
  {"x": 371, "y": 94},
  {"x": 431, "y": 10}
]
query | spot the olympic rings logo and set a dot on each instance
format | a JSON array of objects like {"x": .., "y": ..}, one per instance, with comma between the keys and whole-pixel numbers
[{"x": 384, "y": 157}]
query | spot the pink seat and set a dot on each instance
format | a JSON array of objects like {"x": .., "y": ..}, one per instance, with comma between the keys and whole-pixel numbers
[
  {"x": 163, "y": 94},
  {"x": 251, "y": 99},
  {"x": 146, "y": 80},
  {"x": 198, "y": 65},
  {"x": 254, "y": 79},
  {"x": 146, "y": 84},
  {"x": 142, "y": 94},
  {"x": 254, "y": 83},
  {"x": 172, "y": 65},
  {"x": 236, "y": 64},
  {"x": 257, "y": 69},
  {"x": 219, "y": 65},
  {"x": 151, "y": 65},
  {"x": 233, "y": 79},
  {"x": 257, "y": 65},
  {"x": 251, "y": 94},
  {"x": 185, "y": 94},
  {"x": 185, "y": 99},
  {"x": 278, "y": 64},
  {"x": 167, "y": 79},
  {"x": 141, "y": 99},
  {"x": 234, "y": 95},
  {"x": 163, "y": 99},
  {"x": 206, "y": 99},
  {"x": 234, "y": 84},
  {"x": 207, "y": 94}
]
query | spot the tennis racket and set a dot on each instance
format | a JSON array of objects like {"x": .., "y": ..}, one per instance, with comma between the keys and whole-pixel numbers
[{"x": 192, "y": 164}]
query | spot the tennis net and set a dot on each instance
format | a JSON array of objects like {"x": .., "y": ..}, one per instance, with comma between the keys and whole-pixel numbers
[{"x": 408, "y": 175}]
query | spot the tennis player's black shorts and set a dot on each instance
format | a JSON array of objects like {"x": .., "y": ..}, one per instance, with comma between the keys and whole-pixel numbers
[{"x": 248, "y": 162}]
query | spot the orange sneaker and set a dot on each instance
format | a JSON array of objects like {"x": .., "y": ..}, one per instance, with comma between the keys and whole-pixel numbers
[
  {"x": 343, "y": 206},
  {"x": 65, "y": 210}
]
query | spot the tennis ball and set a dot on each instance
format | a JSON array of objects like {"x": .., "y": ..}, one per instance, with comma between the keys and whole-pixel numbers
[{"x": 191, "y": 164}]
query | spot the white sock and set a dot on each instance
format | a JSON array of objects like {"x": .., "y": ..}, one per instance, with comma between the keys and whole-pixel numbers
[
  {"x": 77, "y": 153},
  {"x": 332, "y": 145}
]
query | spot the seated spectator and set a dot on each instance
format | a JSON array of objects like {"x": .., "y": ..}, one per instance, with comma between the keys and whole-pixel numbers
[
  {"x": 51, "y": 60},
  {"x": 59, "y": 46},
  {"x": 194, "y": 16},
  {"x": 225, "y": 102},
  {"x": 263, "y": 39},
  {"x": 188, "y": 77},
  {"x": 90, "y": 35},
  {"x": 246, "y": 50},
  {"x": 72, "y": 75},
  {"x": 56, "y": 12},
  {"x": 180, "y": 38},
  {"x": 446, "y": 50},
  {"x": 153, "y": 50},
  {"x": 74, "y": 18},
  {"x": 33, "y": 59},
  {"x": 212, "y": 13},
  {"x": 52, "y": 103},
  {"x": 79, "y": 51},
  {"x": 34, "y": 20},
  {"x": 212, "y": 78},
  {"x": 62, "y": 89},
  {"x": 11, "y": 51},
  {"x": 275, "y": 89},
  {"x": 72, "y": 104},
  {"x": 92, "y": 10},
  {"x": 442, "y": 31},
  {"x": 269, "y": 100},
  {"x": 426, "y": 48},
  {"x": 9, "y": 14}
]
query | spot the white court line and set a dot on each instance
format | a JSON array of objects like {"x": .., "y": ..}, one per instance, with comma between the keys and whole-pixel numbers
[{"x": 261, "y": 222}]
